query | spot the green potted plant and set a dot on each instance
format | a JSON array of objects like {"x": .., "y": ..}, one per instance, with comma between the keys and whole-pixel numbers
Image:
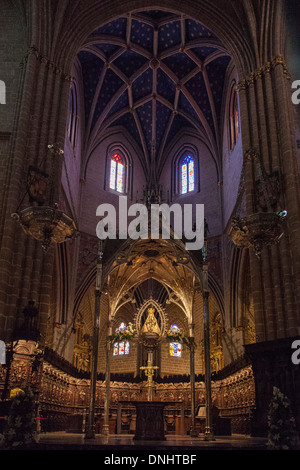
[
  {"x": 20, "y": 431},
  {"x": 282, "y": 433}
]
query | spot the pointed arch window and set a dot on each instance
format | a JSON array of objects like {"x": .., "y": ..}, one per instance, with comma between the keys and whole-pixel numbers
[
  {"x": 187, "y": 174},
  {"x": 121, "y": 348},
  {"x": 234, "y": 118},
  {"x": 175, "y": 346},
  {"x": 117, "y": 173}
]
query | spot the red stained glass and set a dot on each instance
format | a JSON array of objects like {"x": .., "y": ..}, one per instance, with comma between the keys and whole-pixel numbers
[{"x": 117, "y": 173}]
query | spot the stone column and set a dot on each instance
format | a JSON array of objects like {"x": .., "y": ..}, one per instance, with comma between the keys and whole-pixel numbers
[
  {"x": 105, "y": 429},
  {"x": 267, "y": 127},
  {"x": 40, "y": 121},
  {"x": 90, "y": 427},
  {"x": 193, "y": 432}
]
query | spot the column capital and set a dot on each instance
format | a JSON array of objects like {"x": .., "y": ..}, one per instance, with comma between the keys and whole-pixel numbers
[{"x": 260, "y": 72}]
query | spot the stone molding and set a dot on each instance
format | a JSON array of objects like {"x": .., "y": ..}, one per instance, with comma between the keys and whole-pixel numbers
[
  {"x": 261, "y": 71},
  {"x": 49, "y": 64}
]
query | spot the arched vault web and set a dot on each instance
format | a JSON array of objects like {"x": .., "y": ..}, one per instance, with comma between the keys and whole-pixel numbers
[
  {"x": 166, "y": 261},
  {"x": 153, "y": 73}
]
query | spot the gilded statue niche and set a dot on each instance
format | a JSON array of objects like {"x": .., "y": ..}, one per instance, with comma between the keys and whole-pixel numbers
[
  {"x": 248, "y": 319},
  {"x": 216, "y": 354},
  {"x": 248, "y": 322},
  {"x": 83, "y": 346},
  {"x": 151, "y": 324}
]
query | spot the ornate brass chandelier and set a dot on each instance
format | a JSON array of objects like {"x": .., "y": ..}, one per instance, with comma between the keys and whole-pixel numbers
[
  {"x": 264, "y": 227},
  {"x": 45, "y": 223},
  {"x": 258, "y": 230}
]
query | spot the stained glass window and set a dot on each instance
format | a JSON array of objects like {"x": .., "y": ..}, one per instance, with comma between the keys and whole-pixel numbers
[
  {"x": 175, "y": 346},
  {"x": 113, "y": 166},
  {"x": 121, "y": 347},
  {"x": 187, "y": 175},
  {"x": 117, "y": 173},
  {"x": 174, "y": 329},
  {"x": 175, "y": 349},
  {"x": 122, "y": 326}
]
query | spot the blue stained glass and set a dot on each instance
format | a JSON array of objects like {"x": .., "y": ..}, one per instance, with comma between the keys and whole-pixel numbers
[
  {"x": 174, "y": 328},
  {"x": 122, "y": 347},
  {"x": 187, "y": 175},
  {"x": 175, "y": 349}
]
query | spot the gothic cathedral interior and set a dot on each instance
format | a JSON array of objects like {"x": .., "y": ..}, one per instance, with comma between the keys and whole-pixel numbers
[{"x": 150, "y": 214}]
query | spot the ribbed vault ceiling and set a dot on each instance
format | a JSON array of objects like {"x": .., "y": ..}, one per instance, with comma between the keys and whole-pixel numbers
[{"x": 153, "y": 73}]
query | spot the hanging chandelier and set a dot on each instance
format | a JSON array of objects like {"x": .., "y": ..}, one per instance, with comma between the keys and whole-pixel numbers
[
  {"x": 265, "y": 227},
  {"x": 258, "y": 230},
  {"x": 45, "y": 223}
]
